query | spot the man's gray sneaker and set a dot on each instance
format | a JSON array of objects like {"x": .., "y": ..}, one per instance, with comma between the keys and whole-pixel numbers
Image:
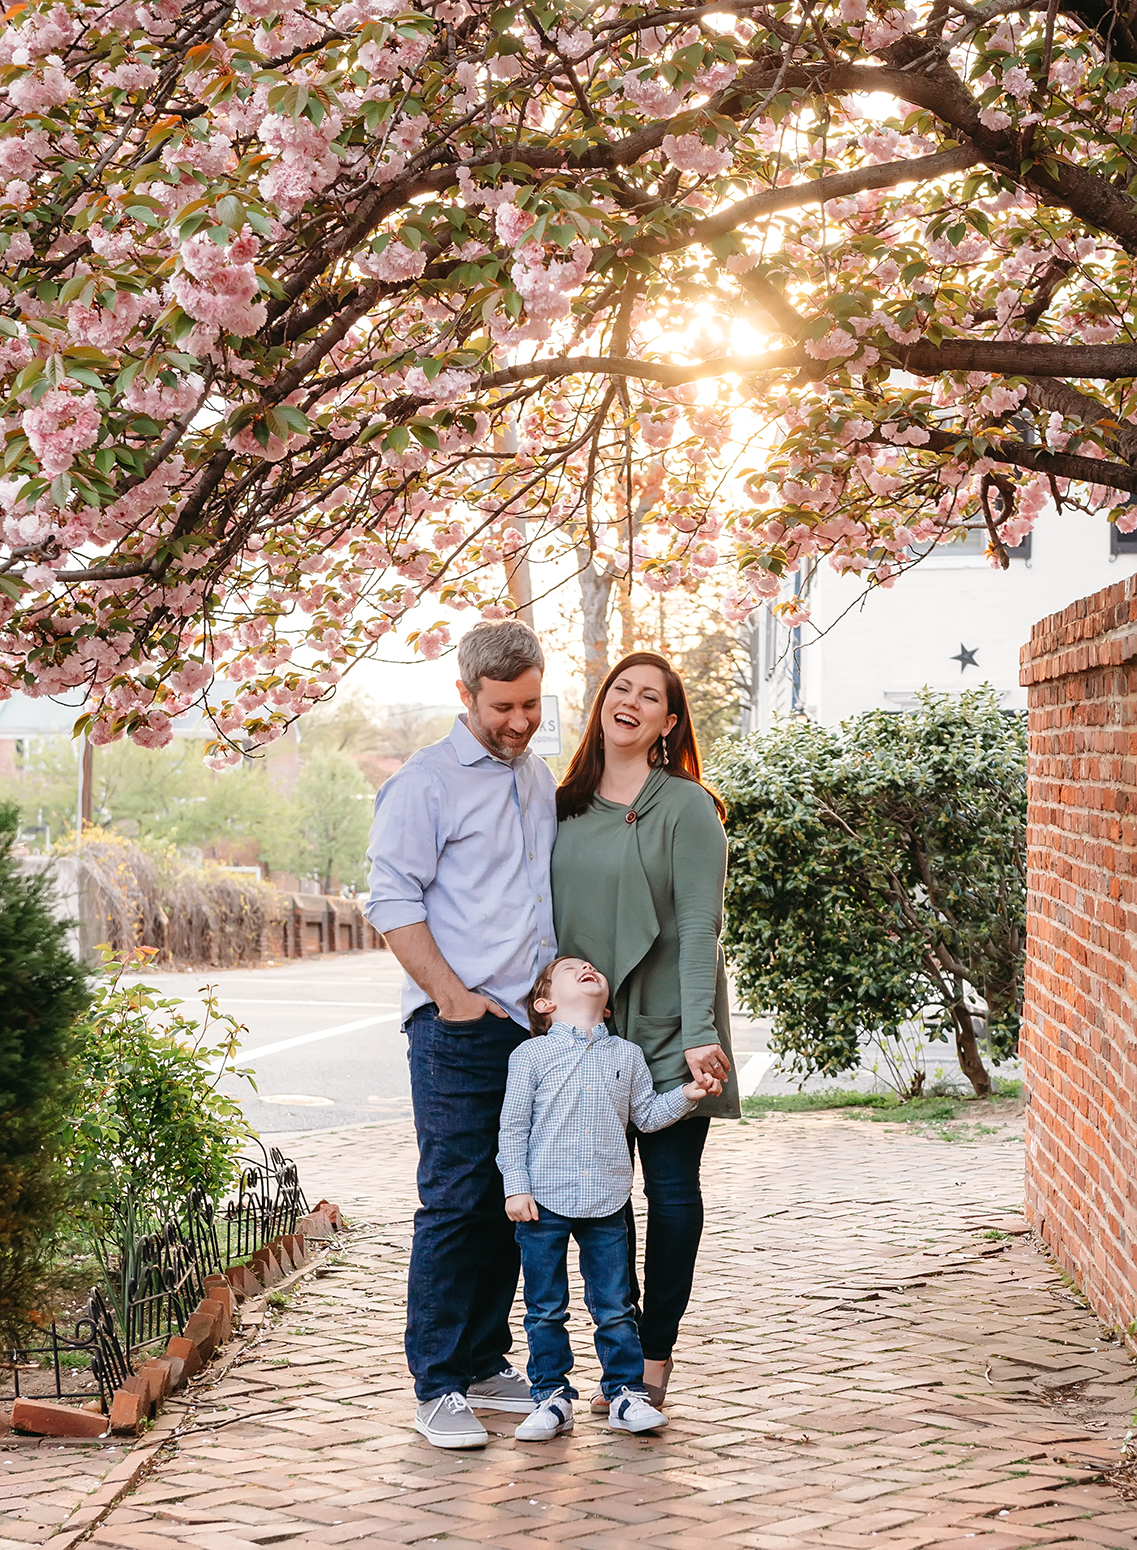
[
  {"x": 448, "y": 1422},
  {"x": 506, "y": 1390},
  {"x": 631, "y": 1411},
  {"x": 550, "y": 1418}
]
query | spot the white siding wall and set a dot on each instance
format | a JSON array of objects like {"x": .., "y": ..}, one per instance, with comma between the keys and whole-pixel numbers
[{"x": 896, "y": 641}]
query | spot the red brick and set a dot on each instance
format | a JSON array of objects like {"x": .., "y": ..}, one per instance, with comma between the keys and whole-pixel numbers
[
  {"x": 297, "y": 1248},
  {"x": 265, "y": 1266},
  {"x": 218, "y": 1311},
  {"x": 145, "y": 1387},
  {"x": 201, "y": 1330},
  {"x": 46, "y": 1419},
  {"x": 218, "y": 1289},
  {"x": 1080, "y": 669},
  {"x": 128, "y": 1410},
  {"x": 188, "y": 1354},
  {"x": 315, "y": 1225},
  {"x": 282, "y": 1254},
  {"x": 243, "y": 1282},
  {"x": 167, "y": 1379}
]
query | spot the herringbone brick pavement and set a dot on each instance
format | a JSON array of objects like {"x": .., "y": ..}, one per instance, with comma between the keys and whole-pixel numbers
[{"x": 861, "y": 1361}]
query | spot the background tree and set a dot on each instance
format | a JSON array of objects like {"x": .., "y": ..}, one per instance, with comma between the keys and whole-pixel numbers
[
  {"x": 314, "y": 314},
  {"x": 333, "y": 815},
  {"x": 878, "y": 874},
  {"x": 42, "y": 991}
]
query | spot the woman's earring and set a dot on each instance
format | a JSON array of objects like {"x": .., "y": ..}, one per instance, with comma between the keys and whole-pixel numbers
[{"x": 664, "y": 740}]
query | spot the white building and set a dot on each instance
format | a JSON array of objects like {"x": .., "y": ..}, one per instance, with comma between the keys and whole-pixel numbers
[{"x": 950, "y": 623}]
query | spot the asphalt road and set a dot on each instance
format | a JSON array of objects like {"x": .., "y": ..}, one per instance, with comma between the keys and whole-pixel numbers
[
  {"x": 323, "y": 1037},
  {"x": 324, "y": 1040}
]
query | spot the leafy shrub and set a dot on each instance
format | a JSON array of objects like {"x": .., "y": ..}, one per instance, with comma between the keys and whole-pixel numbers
[
  {"x": 877, "y": 874},
  {"x": 42, "y": 991},
  {"x": 146, "y": 896},
  {"x": 148, "y": 1124}
]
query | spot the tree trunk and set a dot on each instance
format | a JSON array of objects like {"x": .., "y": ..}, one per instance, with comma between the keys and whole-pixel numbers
[
  {"x": 967, "y": 1049},
  {"x": 595, "y": 589},
  {"x": 627, "y": 621}
]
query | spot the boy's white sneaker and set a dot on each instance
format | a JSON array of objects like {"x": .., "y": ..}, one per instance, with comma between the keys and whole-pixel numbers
[
  {"x": 550, "y": 1418},
  {"x": 631, "y": 1411}
]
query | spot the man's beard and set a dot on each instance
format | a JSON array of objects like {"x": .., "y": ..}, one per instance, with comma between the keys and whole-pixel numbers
[{"x": 500, "y": 750}]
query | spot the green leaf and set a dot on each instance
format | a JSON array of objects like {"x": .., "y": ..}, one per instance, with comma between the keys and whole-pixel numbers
[{"x": 231, "y": 212}]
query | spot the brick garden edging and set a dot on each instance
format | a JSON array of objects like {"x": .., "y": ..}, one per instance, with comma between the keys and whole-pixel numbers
[
  {"x": 1079, "y": 1043},
  {"x": 140, "y": 1398}
]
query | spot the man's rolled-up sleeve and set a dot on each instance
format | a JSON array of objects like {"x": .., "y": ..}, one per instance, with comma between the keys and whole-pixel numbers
[{"x": 403, "y": 852}]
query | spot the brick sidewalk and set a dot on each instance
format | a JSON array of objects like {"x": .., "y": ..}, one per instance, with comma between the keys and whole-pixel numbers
[{"x": 859, "y": 1362}]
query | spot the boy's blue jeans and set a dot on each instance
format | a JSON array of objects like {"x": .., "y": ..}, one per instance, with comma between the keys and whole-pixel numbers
[{"x": 603, "y": 1242}]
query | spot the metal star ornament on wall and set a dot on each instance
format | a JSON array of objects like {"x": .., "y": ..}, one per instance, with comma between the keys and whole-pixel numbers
[{"x": 965, "y": 658}]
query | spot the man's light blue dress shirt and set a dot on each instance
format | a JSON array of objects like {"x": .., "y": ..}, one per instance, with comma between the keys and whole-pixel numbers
[
  {"x": 462, "y": 840},
  {"x": 563, "y": 1137}
]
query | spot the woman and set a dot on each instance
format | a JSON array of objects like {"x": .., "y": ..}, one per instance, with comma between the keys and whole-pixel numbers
[{"x": 638, "y": 872}]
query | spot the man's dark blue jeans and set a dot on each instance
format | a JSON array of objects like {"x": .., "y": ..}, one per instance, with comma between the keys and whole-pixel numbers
[
  {"x": 603, "y": 1244},
  {"x": 464, "y": 1259}
]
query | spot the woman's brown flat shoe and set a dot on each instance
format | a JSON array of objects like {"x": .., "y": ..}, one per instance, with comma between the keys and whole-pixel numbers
[
  {"x": 598, "y": 1404},
  {"x": 656, "y": 1392}
]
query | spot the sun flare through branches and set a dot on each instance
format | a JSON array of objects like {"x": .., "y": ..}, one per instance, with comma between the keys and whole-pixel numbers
[{"x": 318, "y": 316}]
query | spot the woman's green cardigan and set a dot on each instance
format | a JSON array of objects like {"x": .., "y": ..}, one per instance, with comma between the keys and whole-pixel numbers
[{"x": 642, "y": 900}]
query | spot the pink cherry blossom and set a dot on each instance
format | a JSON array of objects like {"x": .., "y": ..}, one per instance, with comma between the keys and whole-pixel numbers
[{"x": 60, "y": 425}]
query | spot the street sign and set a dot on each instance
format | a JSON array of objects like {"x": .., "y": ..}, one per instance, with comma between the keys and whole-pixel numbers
[{"x": 547, "y": 738}]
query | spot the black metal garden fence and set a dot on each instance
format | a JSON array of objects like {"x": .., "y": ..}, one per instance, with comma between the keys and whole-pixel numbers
[{"x": 159, "y": 1281}]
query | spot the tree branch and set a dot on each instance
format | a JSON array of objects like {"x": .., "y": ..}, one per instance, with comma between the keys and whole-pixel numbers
[
  {"x": 999, "y": 357},
  {"x": 838, "y": 185},
  {"x": 1058, "y": 465}
]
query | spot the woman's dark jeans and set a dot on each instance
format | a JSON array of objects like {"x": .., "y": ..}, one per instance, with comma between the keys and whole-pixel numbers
[{"x": 669, "y": 1161}]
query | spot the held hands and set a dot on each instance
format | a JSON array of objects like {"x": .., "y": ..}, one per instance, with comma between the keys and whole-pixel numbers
[
  {"x": 702, "y": 1087},
  {"x": 708, "y": 1060},
  {"x": 521, "y": 1208}
]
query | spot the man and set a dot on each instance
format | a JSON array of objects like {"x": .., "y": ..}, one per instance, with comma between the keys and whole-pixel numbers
[{"x": 459, "y": 853}]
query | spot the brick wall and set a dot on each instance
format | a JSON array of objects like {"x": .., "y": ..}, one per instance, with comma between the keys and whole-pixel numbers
[{"x": 1079, "y": 1040}]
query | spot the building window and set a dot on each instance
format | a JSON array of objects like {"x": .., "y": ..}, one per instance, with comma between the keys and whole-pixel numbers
[
  {"x": 972, "y": 546},
  {"x": 1021, "y": 551},
  {"x": 1121, "y": 543}
]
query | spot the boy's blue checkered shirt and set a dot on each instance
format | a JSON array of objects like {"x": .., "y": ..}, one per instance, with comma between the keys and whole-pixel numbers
[{"x": 570, "y": 1096}]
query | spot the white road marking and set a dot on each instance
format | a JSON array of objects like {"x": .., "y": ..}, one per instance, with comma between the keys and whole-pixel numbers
[
  {"x": 284, "y": 1001},
  {"x": 751, "y": 1074},
  {"x": 246, "y": 1055},
  {"x": 296, "y": 1100}
]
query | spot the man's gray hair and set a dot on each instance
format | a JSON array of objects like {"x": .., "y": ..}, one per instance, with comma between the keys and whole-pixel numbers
[{"x": 499, "y": 651}]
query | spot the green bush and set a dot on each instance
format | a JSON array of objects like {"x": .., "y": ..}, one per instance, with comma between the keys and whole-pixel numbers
[
  {"x": 877, "y": 875},
  {"x": 42, "y": 991},
  {"x": 149, "y": 1123}
]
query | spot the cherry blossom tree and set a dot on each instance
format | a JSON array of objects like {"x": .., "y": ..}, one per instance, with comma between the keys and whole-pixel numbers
[{"x": 319, "y": 313}]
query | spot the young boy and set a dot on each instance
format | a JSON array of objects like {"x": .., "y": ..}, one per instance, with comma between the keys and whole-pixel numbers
[{"x": 563, "y": 1154}]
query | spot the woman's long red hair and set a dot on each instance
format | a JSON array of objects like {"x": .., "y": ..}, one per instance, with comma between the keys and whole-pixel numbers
[{"x": 582, "y": 779}]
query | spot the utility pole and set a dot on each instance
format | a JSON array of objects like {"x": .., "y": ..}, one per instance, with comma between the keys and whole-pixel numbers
[{"x": 86, "y": 771}]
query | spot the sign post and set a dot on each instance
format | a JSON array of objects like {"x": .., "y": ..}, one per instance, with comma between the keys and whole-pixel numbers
[{"x": 547, "y": 739}]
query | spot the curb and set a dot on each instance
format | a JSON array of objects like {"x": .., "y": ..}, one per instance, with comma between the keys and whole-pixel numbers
[{"x": 169, "y": 1427}]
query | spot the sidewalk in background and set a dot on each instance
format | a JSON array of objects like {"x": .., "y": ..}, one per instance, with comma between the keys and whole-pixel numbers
[{"x": 868, "y": 1358}]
